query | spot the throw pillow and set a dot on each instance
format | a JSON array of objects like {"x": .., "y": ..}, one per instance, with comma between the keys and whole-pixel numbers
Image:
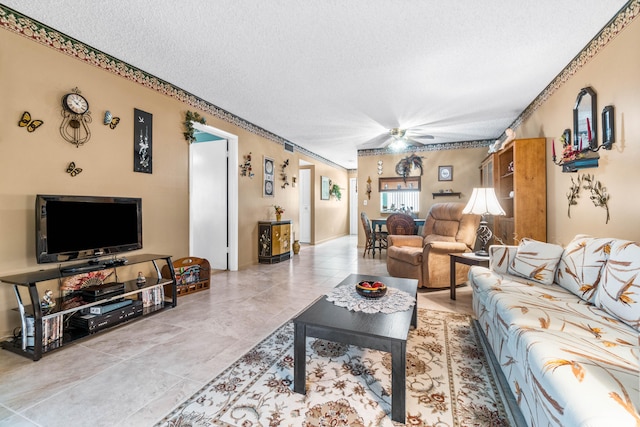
[
  {"x": 582, "y": 265},
  {"x": 536, "y": 261},
  {"x": 619, "y": 293}
]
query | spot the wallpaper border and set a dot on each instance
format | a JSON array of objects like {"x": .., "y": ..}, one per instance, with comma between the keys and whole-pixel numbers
[{"x": 18, "y": 23}]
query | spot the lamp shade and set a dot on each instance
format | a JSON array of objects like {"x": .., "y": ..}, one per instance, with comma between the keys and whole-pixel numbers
[{"x": 483, "y": 201}]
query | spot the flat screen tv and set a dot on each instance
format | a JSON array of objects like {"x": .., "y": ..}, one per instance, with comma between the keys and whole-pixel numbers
[{"x": 83, "y": 227}]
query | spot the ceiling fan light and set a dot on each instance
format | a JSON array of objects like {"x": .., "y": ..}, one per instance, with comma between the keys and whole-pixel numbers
[{"x": 397, "y": 145}]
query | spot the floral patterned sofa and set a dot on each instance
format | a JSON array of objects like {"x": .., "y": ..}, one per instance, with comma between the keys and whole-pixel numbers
[{"x": 564, "y": 326}]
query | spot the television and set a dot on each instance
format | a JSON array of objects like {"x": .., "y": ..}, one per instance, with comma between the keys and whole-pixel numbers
[{"x": 86, "y": 227}]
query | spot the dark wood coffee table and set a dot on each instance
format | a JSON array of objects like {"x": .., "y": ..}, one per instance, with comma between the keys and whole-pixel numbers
[{"x": 379, "y": 331}]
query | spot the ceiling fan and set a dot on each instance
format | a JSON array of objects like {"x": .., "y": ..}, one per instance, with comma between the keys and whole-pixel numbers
[{"x": 396, "y": 139}]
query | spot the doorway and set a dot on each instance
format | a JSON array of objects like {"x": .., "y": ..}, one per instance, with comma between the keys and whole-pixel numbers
[
  {"x": 353, "y": 206},
  {"x": 213, "y": 182},
  {"x": 305, "y": 205}
]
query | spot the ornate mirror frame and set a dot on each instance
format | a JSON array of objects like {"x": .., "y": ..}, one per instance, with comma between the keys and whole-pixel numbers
[{"x": 585, "y": 120}]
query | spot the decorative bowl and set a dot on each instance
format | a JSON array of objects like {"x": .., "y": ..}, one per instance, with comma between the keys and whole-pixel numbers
[{"x": 366, "y": 289}]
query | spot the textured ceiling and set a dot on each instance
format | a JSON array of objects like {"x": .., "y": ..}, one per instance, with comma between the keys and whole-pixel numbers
[{"x": 331, "y": 75}]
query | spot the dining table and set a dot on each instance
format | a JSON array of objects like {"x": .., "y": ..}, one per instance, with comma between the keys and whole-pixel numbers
[{"x": 376, "y": 226}]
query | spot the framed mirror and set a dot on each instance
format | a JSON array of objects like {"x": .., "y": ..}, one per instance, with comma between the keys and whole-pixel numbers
[{"x": 585, "y": 133}]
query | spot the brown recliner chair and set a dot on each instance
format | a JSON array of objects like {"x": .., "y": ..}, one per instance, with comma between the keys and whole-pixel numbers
[{"x": 426, "y": 258}]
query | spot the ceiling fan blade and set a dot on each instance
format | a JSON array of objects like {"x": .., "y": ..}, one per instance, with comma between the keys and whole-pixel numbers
[
  {"x": 379, "y": 141},
  {"x": 412, "y": 141},
  {"x": 422, "y": 137}
]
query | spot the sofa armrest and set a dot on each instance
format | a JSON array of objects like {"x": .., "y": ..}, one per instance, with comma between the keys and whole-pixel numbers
[
  {"x": 404, "y": 240},
  {"x": 500, "y": 257},
  {"x": 445, "y": 247}
]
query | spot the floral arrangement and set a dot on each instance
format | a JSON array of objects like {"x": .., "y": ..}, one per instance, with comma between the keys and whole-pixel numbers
[{"x": 279, "y": 209}]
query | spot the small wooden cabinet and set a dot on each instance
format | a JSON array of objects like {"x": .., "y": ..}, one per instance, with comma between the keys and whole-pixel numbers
[{"x": 274, "y": 241}]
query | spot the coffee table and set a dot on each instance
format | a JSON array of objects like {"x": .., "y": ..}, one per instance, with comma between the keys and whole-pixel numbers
[{"x": 385, "y": 332}]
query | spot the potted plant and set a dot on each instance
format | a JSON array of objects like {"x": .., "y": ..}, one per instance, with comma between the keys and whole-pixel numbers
[
  {"x": 279, "y": 211},
  {"x": 335, "y": 191}
]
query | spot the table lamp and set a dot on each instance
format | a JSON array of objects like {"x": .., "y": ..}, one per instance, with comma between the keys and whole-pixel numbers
[{"x": 483, "y": 202}]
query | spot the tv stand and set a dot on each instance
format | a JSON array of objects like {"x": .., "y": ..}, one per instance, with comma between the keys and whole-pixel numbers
[
  {"x": 114, "y": 261},
  {"x": 148, "y": 298}
]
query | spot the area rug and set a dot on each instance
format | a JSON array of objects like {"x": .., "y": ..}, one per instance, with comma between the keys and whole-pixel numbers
[{"x": 448, "y": 383}]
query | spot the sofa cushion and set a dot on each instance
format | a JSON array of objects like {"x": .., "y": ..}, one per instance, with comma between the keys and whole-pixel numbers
[
  {"x": 619, "y": 293},
  {"x": 536, "y": 261},
  {"x": 582, "y": 265}
]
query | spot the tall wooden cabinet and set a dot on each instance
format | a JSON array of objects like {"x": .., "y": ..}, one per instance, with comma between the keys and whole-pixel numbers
[{"x": 520, "y": 181}]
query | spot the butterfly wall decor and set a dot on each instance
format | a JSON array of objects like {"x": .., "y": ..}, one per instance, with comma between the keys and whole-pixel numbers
[
  {"x": 72, "y": 169},
  {"x": 111, "y": 121},
  {"x": 26, "y": 121}
]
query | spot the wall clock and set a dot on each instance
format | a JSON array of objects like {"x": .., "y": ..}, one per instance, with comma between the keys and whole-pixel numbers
[{"x": 75, "y": 118}]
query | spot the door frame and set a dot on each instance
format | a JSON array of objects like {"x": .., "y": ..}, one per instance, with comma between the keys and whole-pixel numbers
[{"x": 232, "y": 192}]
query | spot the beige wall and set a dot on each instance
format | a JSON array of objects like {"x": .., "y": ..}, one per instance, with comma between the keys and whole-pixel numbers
[
  {"x": 466, "y": 175},
  {"x": 34, "y": 77},
  {"x": 614, "y": 75}
]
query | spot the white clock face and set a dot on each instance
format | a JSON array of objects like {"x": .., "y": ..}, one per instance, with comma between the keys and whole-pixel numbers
[{"x": 76, "y": 103}]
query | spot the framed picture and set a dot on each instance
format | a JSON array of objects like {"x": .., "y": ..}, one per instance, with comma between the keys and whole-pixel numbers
[
  {"x": 142, "y": 141},
  {"x": 445, "y": 173},
  {"x": 608, "y": 128},
  {"x": 324, "y": 188},
  {"x": 268, "y": 183}
]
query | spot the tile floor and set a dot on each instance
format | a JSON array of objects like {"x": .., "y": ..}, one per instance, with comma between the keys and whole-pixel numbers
[{"x": 134, "y": 375}]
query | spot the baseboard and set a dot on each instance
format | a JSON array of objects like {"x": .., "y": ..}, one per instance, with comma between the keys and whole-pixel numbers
[{"x": 515, "y": 415}]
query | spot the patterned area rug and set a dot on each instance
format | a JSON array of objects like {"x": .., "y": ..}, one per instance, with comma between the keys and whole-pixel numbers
[{"x": 448, "y": 383}]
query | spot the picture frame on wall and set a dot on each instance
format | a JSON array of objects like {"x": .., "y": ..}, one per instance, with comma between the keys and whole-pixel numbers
[
  {"x": 324, "y": 188},
  {"x": 445, "y": 173},
  {"x": 268, "y": 186},
  {"x": 142, "y": 141}
]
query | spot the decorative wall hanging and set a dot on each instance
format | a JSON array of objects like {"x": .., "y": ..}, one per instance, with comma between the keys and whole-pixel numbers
[
  {"x": 369, "y": 188},
  {"x": 582, "y": 153},
  {"x": 26, "y": 122},
  {"x": 245, "y": 168},
  {"x": 75, "y": 118},
  {"x": 110, "y": 121},
  {"x": 268, "y": 183},
  {"x": 445, "y": 173},
  {"x": 191, "y": 117},
  {"x": 142, "y": 141},
  {"x": 283, "y": 174},
  {"x": 379, "y": 167},
  {"x": 608, "y": 127},
  {"x": 334, "y": 190},
  {"x": 599, "y": 195},
  {"x": 404, "y": 166},
  {"x": 324, "y": 188},
  {"x": 73, "y": 170}
]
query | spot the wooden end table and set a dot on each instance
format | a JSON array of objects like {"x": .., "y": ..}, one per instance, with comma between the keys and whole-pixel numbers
[{"x": 468, "y": 258}]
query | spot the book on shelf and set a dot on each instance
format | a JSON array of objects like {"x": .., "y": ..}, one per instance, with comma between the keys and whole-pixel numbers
[
  {"x": 152, "y": 296},
  {"x": 52, "y": 329}
]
